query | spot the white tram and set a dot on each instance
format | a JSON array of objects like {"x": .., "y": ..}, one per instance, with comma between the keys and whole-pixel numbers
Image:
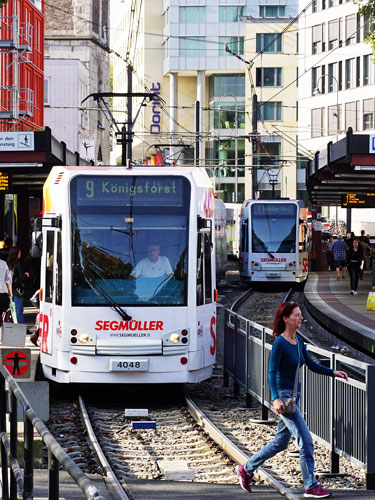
[
  {"x": 274, "y": 241},
  {"x": 109, "y": 313}
]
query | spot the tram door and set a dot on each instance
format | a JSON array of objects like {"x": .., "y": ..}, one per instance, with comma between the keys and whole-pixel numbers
[
  {"x": 205, "y": 290},
  {"x": 52, "y": 289}
]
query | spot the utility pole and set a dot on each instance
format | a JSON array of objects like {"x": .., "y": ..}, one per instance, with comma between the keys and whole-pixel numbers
[
  {"x": 130, "y": 113},
  {"x": 197, "y": 133},
  {"x": 254, "y": 142}
]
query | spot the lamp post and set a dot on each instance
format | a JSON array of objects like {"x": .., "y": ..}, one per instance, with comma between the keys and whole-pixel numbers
[{"x": 318, "y": 92}]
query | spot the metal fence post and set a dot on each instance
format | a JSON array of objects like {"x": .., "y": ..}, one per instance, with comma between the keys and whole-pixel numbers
[
  {"x": 335, "y": 459},
  {"x": 226, "y": 376},
  {"x": 263, "y": 381},
  {"x": 236, "y": 386},
  {"x": 13, "y": 442},
  {"x": 53, "y": 477},
  {"x": 370, "y": 427},
  {"x": 249, "y": 399},
  {"x": 28, "y": 457},
  {"x": 4, "y": 458}
]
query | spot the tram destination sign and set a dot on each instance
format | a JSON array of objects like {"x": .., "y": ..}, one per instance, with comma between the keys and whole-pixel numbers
[
  {"x": 130, "y": 190},
  {"x": 353, "y": 200}
]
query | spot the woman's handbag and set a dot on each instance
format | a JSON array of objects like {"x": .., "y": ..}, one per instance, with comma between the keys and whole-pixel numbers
[
  {"x": 370, "y": 305},
  {"x": 291, "y": 403}
]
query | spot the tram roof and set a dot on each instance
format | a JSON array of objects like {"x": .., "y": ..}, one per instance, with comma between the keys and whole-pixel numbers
[{"x": 346, "y": 166}]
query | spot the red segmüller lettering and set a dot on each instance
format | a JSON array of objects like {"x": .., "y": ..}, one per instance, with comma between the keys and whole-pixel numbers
[
  {"x": 128, "y": 325},
  {"x": 268, "y": 259}
]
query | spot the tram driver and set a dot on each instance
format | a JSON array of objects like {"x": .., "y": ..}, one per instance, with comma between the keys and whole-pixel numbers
[{"x": 153, "y": 266}]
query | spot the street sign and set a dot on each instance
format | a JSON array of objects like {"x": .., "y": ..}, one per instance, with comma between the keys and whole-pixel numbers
[
  {"x": 371, "y": 143},
  {"x": 353, "y": 200},
  {"x": 17, "y": 362},
  {"x": 16, "y": 141}
]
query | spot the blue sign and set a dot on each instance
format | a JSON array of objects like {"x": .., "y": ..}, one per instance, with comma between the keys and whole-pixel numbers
[{"x": 372, "y": 144}]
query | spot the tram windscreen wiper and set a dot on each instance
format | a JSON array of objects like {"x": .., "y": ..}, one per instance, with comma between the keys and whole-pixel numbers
[
  {"x": 270, "y": 254},
  {"x": 98, "y": 289}
]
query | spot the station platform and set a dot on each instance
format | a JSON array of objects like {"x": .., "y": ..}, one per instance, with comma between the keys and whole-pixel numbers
[{"x": 330, "y": 302}]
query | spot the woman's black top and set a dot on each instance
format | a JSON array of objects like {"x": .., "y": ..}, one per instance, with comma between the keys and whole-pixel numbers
[{"x": 355, "y": 256}]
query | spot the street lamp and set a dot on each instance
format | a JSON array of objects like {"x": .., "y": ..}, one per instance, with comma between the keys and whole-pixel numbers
[{"x": 318, "y": 92}]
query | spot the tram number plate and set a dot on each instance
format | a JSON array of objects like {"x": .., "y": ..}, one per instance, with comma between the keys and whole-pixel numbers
[
  {"x": 273, "y": 275},
  {"x": 128, "y": 365}
]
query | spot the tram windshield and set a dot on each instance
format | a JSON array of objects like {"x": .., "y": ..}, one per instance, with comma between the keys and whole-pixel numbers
[
  {"x": 130, "y": 240},
  {"x": 273, "y": 228}
]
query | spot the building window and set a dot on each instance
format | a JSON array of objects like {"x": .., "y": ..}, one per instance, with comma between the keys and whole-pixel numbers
[
  {"x": 368, "y": 114},
  {"x": 318, "y": 44},
  {"x": 332, "y": 77},
  {"x": 333, "y": 119},
  {"x": 268, "y": 77},
  {"x": 272, "y": 11},
  {"x": 230, "y": 114},
  {"x": 349, "y": 73},
  {"x": 269, "y": 111},
  {"x": 191, "y": 46},
  {"x": 227, "y": 85},
  {"x": 235, "y": 44},
  {"x": 317, "y": 122},
  {"x": 314, "y": 6},
  {"x": 192, "y": 15},
  {"x": 367, "y": 65},
  {"x": 229, "y": 155},
  {"x": 47, "y": 91},
  {"x": 268, "y": 154},
  {"x": 350, "y": 29},
  {"x": 230, "y": 14},
  {"x": 333, "y": 34},
  {"x": 316, "y": 81},
  {"x": 351, "y": 115},
  {"x": 268, "y": 42}
]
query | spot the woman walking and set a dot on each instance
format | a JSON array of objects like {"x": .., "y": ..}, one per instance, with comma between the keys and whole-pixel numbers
[
  {"x": 355, "y": 262},
  {"x": 18, "y": 280},
  {"x": 5, "y": 288},
  {"x": 288, "y": 354}
]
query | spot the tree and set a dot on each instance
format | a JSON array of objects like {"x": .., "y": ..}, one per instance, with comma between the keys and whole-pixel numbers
[{"x": 367, "y": 10}]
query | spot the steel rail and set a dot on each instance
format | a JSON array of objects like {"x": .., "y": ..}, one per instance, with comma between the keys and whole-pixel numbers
[
  {"x": 232, "y": 450},
  {"x": 94, "y": 444},
  {"x": 241, "y": 299}
]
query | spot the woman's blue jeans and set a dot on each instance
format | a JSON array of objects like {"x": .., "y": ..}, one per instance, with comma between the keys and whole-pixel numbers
[
  {"x": 18, "y": 304},
  {"x": 289, "y": 425}
]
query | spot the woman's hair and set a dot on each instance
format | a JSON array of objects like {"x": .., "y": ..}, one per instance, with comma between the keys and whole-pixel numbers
[
  {"x": 284, "y": 309},
  {"x": 12, "y": 257}
]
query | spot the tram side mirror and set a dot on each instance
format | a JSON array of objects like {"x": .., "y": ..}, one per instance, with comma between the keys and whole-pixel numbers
[
  {"x": 202, "y": 223},
  {"x": 36, "y": 244}
]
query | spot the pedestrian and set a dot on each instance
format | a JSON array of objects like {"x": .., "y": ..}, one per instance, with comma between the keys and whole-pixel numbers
[
  {"x": 4, "y": 252},
  {"x": 19, "y": 277},
  {"x": 330, "y": 257},
  {"x": 5, "y": 288},
  {"x": 339, "y": 250},
  {"x": 364, "y": 238},
  {"x": 355, "y": 262},
  {"x": 288, "y": 354}
]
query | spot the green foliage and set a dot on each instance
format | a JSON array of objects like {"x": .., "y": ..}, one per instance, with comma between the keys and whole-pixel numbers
[
  {"x": 2, "y": 3},
  {"x": 366, "y": 8}
]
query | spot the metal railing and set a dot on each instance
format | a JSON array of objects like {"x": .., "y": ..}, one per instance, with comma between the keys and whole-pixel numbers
[
  {"x": 339, "y": 414},
  {"x": 21, "y": 484}
]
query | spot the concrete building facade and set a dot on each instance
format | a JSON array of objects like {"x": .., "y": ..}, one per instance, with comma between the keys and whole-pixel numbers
[
  {"x": 179, "y": 51},
  {"x": 77, "y": 30}
]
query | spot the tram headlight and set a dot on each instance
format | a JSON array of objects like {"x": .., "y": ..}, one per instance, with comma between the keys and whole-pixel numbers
[
  {"x": 84, "y": 338},
  {"x": 174, "y": 338}
]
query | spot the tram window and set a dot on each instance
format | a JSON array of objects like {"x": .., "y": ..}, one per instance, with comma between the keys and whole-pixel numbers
[
  {"x": 207, "y": 268},
  {"x": 49, "y": 266},
  {"x": 200, "y": 270},
  {"x": 59, "y": 273},
  {"x": 302, "y": 243}
]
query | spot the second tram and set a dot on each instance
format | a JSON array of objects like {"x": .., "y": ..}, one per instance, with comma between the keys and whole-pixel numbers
[
  {"x": 274, "y": 241},
  {"x": 128, "y": 275}
]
